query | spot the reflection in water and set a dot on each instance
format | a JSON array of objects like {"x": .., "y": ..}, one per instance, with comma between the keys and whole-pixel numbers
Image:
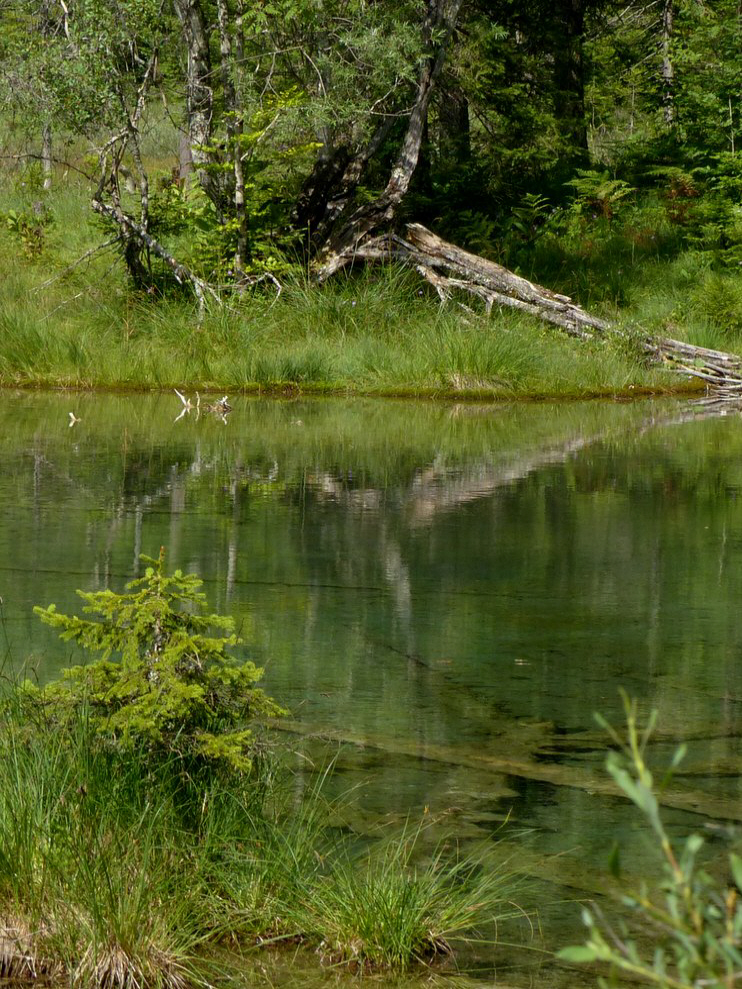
[{"x": 457, "y": 588}]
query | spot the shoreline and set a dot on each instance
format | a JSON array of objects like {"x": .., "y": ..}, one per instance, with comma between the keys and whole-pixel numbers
[{"x": 291, "y": 390}]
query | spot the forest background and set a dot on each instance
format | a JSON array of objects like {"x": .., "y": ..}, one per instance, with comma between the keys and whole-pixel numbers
[{"x": 185, "y": 188}]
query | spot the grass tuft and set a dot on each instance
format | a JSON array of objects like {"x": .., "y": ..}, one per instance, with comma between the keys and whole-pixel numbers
[
  {"x": 395, "y": 905},
  {"x": 117, "y": 873}
]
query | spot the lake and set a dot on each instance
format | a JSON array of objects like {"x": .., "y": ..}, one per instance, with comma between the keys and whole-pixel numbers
[{"x": 443, "y": 595}]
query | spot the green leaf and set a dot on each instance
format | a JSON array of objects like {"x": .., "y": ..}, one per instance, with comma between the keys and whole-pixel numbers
[{"x": 578, "y": 953}]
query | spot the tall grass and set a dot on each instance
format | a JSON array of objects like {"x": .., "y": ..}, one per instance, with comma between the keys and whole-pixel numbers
[
  {"x": 374, "y": 332},
  {"x": 394, "y": 905},
  {"x": 88, "y": 885},
  {"x": 362, "y": 336},
  {"x": 118, "y": 873}
]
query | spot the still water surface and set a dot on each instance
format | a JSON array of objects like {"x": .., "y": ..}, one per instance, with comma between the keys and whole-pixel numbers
[{"x": 458, "y": 588}]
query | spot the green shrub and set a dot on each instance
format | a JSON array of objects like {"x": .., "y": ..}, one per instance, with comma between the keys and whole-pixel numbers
[
  {"x": 718, "y": 299},
  {"x": 695, "y": 921},
  {"x": 174, "y": 688}
]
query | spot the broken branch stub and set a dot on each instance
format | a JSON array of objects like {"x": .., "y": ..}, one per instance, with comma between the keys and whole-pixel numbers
[{"x": 131, "y": 230}]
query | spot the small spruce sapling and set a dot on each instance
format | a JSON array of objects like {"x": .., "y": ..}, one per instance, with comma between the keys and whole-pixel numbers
[{"x": 174, "y": 688}]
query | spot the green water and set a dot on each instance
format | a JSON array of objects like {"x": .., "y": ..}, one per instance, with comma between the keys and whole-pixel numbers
[{"x": 458, "y": 588}]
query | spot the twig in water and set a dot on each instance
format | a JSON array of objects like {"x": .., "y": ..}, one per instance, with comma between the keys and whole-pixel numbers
[{"x": 188, "y": 405}]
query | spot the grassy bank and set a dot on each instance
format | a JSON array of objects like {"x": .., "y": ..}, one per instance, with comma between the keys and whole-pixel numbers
[
  {"x": 379, "y": 333},
  {"x": 144, "y": 822},
  {"x": 117, "y": 873}
]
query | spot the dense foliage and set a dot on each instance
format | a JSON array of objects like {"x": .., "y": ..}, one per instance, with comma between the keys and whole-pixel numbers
[{"x": 546, "y": 123}]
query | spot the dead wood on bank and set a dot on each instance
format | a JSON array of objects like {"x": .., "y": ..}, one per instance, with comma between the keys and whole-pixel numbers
[{"x": 450, "y": 269}]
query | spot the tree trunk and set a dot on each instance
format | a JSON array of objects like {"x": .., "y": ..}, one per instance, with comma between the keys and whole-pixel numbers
[
  {"x": 46, "y": 130},
  {"x": 233, "y": 122},
  {"x": 668, "y": 69},
  {"x": 46, "y": 154},
  {"x": 199, "y": 97},
  {"x": 185, "y": 161},
  {"x": 569, "y": 76},
  {"x": 331, "y": 185},
  {"x": 437, "y": 29},
  {"x": 135, "y": 238},
  {"x": 454, "y": 138},
  {"x": 319, "y": 187},
  {"x": 242, "y": 255}
]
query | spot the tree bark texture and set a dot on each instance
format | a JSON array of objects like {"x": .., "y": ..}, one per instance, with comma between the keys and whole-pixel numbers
[
  {"x": 135, "y": 238},
  {"x": 569, "y": 75},
  {"x": 46, "y": 154},
  {"x": 46, "y": 130},
  {"x": 242, "y": 255},
  {"x": 199, "y": 97},
  {"x": 229, "y": 65},
  {"x": 667, "y": 69},
  {"x": 334, "y": 179},
  {"x": 454, "y": 139}
]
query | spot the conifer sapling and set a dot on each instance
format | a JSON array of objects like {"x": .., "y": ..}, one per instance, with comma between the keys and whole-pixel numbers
[{"x": 172, "y": 686}]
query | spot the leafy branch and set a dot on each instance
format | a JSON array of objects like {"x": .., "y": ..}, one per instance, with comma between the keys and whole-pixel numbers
[{"x": 696, "y": 921}]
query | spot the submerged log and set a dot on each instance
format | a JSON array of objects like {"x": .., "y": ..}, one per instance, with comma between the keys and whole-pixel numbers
[
  {"x": 450, "y": 269},
  {"x": 556, "y": 774}
]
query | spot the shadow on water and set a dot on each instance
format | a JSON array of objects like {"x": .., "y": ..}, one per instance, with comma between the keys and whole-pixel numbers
[{"x": 443, "y": 595}]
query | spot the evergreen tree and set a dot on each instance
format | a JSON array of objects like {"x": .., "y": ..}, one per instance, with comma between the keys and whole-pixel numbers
[{"x": 173, "y": 688}]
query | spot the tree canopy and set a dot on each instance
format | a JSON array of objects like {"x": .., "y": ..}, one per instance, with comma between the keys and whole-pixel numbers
[{"x": 225, "y": 141}]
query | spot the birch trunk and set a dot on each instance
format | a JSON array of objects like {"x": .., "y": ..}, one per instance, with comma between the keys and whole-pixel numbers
[
  {"x": 46, "y": 154},
  {"x": 233, "y": 124},
  {"x": 242, "y": 255},
  {"x": 199, "y": 94},
  {"x": 668, "y": 69}
]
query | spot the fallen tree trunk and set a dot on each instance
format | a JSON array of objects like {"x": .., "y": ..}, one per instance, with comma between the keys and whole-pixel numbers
[{"x": 450, "y": 269}]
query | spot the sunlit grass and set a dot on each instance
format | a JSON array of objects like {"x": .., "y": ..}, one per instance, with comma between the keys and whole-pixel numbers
[
  {"x": 376, "y": 332},
  {"x": 117, "y": 873},
  {"x": 394, "y": 904}
]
